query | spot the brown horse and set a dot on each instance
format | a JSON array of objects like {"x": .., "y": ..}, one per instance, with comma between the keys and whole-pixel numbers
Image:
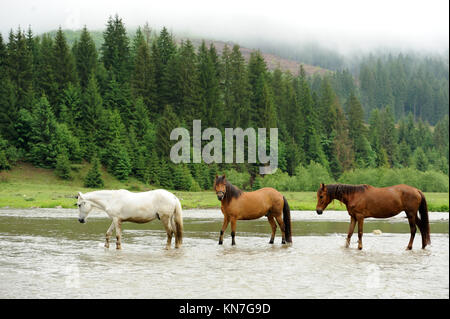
[
  {"x": 367, "y": 201},
  {"x": 236, "y": 205}
]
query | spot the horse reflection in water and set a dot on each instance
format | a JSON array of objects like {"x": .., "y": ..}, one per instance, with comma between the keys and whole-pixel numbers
[
  {"x": 122, "y": 206},
  {"x": 364, "y": 201}
]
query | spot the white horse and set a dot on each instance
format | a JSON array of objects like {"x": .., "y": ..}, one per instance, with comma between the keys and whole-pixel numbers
[{"x": 122, "y": 205}]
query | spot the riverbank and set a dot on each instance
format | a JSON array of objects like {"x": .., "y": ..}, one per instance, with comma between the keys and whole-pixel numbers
[{"x": 26, "y": 187}]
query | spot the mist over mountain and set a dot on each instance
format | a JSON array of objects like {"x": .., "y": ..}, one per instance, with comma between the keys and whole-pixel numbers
[{"x": 286, "y": 28}]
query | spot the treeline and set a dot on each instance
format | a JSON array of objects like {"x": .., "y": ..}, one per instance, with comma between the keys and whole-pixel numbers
[{"x": 117, "y": 104}]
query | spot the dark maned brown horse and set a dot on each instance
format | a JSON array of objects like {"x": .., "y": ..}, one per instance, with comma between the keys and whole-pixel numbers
[
  {"x": 236, "y": 204},
  {"x": 367, "y": 201}
]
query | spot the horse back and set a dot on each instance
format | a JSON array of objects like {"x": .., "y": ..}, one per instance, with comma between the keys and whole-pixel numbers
[
  {"x": 146, "y": 203},
  {"x": 387, "y": 201},
  {"x": 252, "y": 205}
]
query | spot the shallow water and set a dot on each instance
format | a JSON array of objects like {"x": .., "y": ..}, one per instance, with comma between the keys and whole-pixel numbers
[{"x": 46, "y": 253}]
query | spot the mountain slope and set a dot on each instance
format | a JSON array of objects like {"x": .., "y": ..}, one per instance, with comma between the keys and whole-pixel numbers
[{"x": 273, "y": 61}]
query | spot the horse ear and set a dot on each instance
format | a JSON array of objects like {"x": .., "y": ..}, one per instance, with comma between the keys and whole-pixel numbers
[
  {"x": 224, "y": 176},
  {"x": 217, "y": 176},
  {"x": 80, "y": 195},
  {"x": 322, "y": 186}
]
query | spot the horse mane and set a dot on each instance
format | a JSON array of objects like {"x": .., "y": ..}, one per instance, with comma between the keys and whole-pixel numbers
[
  {"x": 337, "y": 191},
  {"x": 231, "y": 190}
]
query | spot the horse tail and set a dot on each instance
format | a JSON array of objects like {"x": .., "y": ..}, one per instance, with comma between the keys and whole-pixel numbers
[
  {"x": 177, "y": 218},
  {"x": 287, "y": 221},
  {"x": 424, "y": 224}
]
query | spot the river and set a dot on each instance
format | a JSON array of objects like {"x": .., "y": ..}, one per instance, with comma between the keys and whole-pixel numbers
[{"x": 46, "y": 253}]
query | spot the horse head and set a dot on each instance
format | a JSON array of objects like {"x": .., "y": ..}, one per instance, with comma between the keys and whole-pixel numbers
[
  {"x": 323, "y": 199},
  {"x": 84, "y": 207},
  {"x": 220, "y": 186}
]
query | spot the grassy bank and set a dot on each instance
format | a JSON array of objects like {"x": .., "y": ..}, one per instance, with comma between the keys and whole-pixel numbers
[{"x": 26, "y": 186}]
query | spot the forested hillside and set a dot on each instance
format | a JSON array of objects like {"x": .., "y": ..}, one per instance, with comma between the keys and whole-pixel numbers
[{"x": 384, "y": 121}]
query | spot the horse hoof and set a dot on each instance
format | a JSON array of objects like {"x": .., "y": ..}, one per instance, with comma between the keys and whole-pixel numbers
[{"x": 271, "y": 242}]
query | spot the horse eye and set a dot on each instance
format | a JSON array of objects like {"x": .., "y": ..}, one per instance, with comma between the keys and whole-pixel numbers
[{"x": 321, "y": 196}]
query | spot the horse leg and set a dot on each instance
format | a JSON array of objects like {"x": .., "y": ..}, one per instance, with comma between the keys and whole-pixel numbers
[
  {"x": 360, "y": 231},
  {"x": 108, "y": 234},
  {"x": 233, "y": 230},
  {"x": 118, "y": 224},
  {"x": 274, "y": 228},
  {"x": 350, "y": 231},
  {"x": 422, "y": 231},
  {"x": 224, "y": 227},
  {"x": 169, "y": 231},
  {"x": 281, "y": 224},
  {"x": 412, "y": 227}
]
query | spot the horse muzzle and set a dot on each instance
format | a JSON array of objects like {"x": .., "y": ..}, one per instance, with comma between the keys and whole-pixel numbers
[
  {"x": 82, "y": 220},
  {"x": 220, "y": 195},
  {"x": 319, "y": 211}
]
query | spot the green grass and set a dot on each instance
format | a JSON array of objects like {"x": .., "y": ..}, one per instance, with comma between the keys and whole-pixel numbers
[{"x": 26, "y": 186}]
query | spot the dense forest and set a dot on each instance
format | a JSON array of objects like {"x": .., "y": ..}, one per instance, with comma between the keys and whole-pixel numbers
[{"x": 383, "y": 121}]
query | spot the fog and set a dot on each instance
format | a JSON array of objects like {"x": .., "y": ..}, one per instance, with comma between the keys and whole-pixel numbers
[{"x": 345, "y": 25}]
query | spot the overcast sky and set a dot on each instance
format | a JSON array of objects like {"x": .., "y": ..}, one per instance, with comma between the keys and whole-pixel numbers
[{"x": 341, "y": 24}]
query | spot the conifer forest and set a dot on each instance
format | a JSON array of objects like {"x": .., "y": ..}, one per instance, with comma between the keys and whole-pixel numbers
[{"x": 110, "y": 99}]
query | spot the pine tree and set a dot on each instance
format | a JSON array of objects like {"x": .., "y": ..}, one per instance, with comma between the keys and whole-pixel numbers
[
  {"x": 88, "y": 117},
  {"x": 4, "y": 163},
  {"x": 93, "y": 178},
  {"x": 304, "y": 124},
  {"x": 420, "y": 160},
  {"x": 165, "y": 177},
  {"x": 208, "y": 65},
  {"x": 237, "y": 87},
  {"x": 269, "y": 115},
  {"x": 85, "y": 57},
  {"x": 153, "y": 169},
  {"x": 257, "y": 69},
  {"x": 157, "y": 77},
  {"x": 121, "y": 164},
  {"x": 20, "y": 68},
  {"x": 182, "y": 179},
  {"x": 118, "y": 97},
  {"x": 142, "y": 80},
  {"x": 62, "y": 168},
  {"x": 343, "y": 147},
  {"x": 64, "y": 70},
  {"x": 43, "y": 145},
  {"x": 388, "y": 135},
  {"x": 170, "y": 91},
  {"x": 166, "y": 123},
  {"x": 115, "y": 49},
  {"x": 364, "y": 156},
  {"x": 166, "y": 46},
  {"x": 8, "y": 99},
  {"x": 189, "y": 84},
  {"x": 45, "y": 78},
  {"x": 135, "y": 43},
  {"x": 140, "y": 168}
]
